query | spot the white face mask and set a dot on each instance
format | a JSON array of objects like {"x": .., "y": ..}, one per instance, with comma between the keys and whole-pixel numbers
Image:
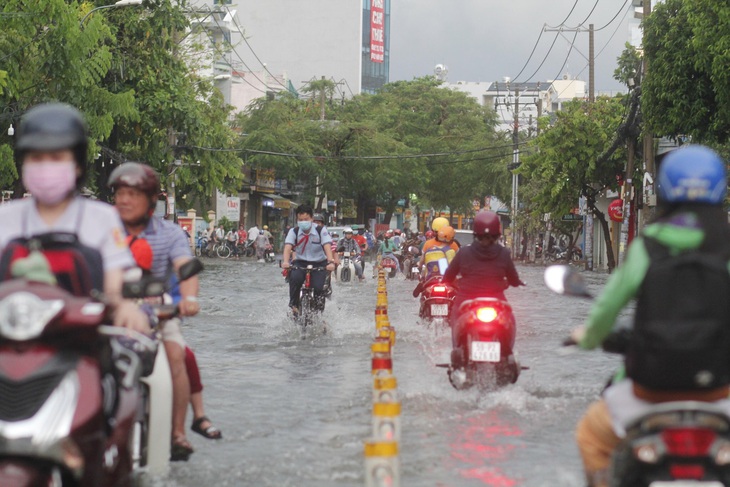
[{"x": 50, "y": 182}]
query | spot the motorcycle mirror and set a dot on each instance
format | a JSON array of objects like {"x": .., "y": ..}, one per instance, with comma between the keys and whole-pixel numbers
[
  {"x": 562, "y": 279},
  {"x": 443, "y": 265},
  {"x": 190, "y": 268}
]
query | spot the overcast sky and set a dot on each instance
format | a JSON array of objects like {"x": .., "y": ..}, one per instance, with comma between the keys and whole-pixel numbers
[{"x": 486, "y": 40}]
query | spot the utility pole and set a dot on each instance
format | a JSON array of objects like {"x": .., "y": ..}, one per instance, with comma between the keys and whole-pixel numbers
[
  {"x": 588, "y": 226},
  {"x": 649, "y": 136},
  {"x": 515, "y": 165}
]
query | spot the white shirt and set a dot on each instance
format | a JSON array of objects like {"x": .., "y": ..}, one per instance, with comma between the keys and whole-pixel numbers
[{"x": 96, "y": 224}]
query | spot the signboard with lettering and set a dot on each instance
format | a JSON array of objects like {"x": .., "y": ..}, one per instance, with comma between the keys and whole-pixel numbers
[
  {"x": 377, "y": 31},
  {"x": 233, "y": 208}
]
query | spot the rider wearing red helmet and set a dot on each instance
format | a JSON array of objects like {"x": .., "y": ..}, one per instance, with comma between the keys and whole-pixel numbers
[{"x": 485, "y": 266}]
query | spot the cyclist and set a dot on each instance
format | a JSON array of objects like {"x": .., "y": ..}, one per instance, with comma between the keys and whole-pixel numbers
[{"x": 313, "y": 247}]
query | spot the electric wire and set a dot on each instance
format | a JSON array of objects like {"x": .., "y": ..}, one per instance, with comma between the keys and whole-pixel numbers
[
  {"x": 538, "y": 40},
  {"x": 243, "y": 36},
  {"x": 614, "y": 17}
]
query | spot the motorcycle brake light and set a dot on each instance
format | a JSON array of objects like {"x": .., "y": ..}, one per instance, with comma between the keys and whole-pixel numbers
[
  {"x": 439, "y": 289},
  {"x": 688, "y": 442},
  {"x": 486, "y": 315},
  {"x": 687, "y": 471}
]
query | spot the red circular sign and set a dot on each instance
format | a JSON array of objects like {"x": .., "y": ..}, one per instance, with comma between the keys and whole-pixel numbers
[{"x": 616, "y": 210}]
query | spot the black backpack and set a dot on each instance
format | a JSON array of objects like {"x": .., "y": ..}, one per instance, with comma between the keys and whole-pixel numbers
[{"x": 681, "y": 335}]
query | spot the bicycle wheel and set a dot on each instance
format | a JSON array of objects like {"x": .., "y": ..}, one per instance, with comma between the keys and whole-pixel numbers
[
  {"x": 223, "y": 251},
  {"x": 305, "y": 309}
]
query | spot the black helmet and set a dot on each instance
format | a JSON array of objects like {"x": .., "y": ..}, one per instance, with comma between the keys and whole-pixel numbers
[
  {"x": 53, "y": 126},
  {"x": 318, "y": 217}
]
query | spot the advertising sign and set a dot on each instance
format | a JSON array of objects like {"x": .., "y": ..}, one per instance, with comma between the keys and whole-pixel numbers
[
  {"x": 616, "y": 211},
  {"x": 377, "y": 31},
  {"x": 233, "y": 207}
]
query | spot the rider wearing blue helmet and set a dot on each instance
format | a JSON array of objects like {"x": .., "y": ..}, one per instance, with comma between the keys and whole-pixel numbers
[{"x": 691, "y": 221}]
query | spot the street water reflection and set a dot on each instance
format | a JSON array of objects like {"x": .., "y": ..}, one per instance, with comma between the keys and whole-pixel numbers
[{"x": 296, "y": 412}]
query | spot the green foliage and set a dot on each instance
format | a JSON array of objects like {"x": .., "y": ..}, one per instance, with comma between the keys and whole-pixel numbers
[
  {"x": 687, "y": 89},
  {"x": 377, "y": 134},
  {"x": 228, "y": 225},
  {"x": 565, "y": 168}
]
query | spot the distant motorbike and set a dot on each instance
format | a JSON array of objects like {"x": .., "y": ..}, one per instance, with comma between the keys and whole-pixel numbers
[
  {"x": 436, "y": 300},
  {"x": 269, "y": 254},
  {"x": 410, "y": 263},
  {"x": 680, "y": 443},
  {"x": 346, "y": 268},
  {"x": 201, "y": 246},
  {"x": 389, "y": 262}
]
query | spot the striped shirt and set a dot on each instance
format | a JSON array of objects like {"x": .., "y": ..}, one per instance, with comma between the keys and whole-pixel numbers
[{"x": 168, "y": 242}]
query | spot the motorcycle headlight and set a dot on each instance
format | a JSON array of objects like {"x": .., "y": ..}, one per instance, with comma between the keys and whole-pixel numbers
[{"x": 24, "y": 315}]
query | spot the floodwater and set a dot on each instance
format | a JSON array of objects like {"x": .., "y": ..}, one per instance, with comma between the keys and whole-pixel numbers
[{"x": 295, "y": 411}]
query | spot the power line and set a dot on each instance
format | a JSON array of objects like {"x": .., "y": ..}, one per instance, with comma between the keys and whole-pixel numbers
[
  {"x": 243, "y": 36},
  {"x": 614, "y": 17},
  {"x": 310, "y": 156},
  {"x": 538, "y": 40},
  {"x": 575, "y": 36}
]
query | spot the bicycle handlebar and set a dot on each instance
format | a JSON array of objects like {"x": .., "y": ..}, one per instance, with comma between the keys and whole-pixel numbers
[{"x": 308, "y": 268}]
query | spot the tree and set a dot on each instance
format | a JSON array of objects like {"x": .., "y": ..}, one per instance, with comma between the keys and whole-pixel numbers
[
  {"x": 573, "y": 161},
  {"x": 179, "y": 116},
  {"x": 687, "y": 88},
  {"x": 47, "y": 56}
]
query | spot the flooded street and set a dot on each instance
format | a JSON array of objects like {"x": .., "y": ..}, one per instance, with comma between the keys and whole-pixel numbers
[{"x": 295, "y": 412}]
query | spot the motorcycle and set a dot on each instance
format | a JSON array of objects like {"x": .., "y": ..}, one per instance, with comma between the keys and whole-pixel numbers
[
  {"x": 390, "y": 263},
  {"x": 436, "y": 300},
  {"x": 70, "y": 389},
  {"x": 346, "y": 269},
  {"x": 269, "y": 254},
  {"x": 483, "y": 335},
  {"x": 201, "y": 246},
  {"x": 678, "y": 443},
  {"x": 410, "y": 263},
  {"x": 153, "y": 424}
]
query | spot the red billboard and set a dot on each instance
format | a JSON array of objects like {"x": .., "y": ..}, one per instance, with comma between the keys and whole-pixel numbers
[{"x": 377, "y": 31}]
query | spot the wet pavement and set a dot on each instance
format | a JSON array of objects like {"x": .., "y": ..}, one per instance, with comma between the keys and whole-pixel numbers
[{"x": 295, "y": 412}]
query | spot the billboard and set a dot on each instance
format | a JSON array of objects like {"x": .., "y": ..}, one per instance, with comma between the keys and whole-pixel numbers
[{"x": 377, "y": 31}]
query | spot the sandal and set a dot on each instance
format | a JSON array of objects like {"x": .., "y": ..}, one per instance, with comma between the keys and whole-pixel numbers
[
  {"x": 180, "y": 450},
  {"x": 211, "y": 432}
]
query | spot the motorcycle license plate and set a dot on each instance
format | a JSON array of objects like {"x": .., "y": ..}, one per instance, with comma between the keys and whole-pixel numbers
[
  {"x": 485, "y": 351},
  {"x": 439, "y": 310}
]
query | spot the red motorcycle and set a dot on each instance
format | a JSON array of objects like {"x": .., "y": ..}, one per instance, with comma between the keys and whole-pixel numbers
[
  {"x": 70, "y": 390},
  {"x": 483, "y": 345},
  {"x": 436, "y": 299}
]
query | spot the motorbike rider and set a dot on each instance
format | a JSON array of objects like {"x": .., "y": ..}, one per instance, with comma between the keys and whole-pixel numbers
[
  {"x": 349, "y": 244},
  {"x": 388, "y": 247},
  {"x": 441, "y": 247},
  {"x": 485, "y": 266},
  {"x": 136, "y": 187},
  {"x": 313, "y": 247},
  {"x": 691, "y": 193},
  {"x": 143, "y": 255},
  {"x": 52, "y": 145}
]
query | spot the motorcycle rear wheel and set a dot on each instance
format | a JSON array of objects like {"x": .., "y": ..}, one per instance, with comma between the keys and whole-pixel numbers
[{"x": 345, "y": 275}]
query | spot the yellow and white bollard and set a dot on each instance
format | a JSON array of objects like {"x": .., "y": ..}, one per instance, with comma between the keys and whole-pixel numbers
[
  {"x": 382, "y": 466},
  {"x": 387, "y": 331},
  {"x": 386, "y": 421},
  {"x": 385, "y": 389}
]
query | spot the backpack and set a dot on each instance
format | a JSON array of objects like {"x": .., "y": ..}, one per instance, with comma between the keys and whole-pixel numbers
[
  {"x": 681, "y": 333},
  {"x": 78, "y": 268}
]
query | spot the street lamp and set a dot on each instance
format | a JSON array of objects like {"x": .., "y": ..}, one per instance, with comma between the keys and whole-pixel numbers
[{"x": 120, "y": 3}]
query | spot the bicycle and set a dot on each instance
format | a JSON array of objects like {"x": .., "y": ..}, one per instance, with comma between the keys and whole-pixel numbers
[
  {"x": 201, "y": 247},
  {"x": 308, "y": 307}
]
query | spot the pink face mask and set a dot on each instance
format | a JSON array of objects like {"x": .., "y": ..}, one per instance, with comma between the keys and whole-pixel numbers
[{"x": 50, "y": 182}]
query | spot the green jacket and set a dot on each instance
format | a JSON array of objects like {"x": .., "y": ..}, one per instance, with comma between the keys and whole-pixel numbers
[{"x": 625, "y": 282}]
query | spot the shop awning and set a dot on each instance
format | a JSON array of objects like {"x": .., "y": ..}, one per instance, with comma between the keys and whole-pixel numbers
[{"x": 281, "y": 202}]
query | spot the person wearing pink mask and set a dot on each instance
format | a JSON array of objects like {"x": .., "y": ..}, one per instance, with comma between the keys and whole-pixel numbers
[{"x": 51, "y": 145}]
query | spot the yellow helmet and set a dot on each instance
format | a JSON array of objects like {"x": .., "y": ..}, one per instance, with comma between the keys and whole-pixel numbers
[
  {"x": 266, "y": 227},
  {"x": 439, "y": 223},
  {"x": 446, "y": 234}
]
